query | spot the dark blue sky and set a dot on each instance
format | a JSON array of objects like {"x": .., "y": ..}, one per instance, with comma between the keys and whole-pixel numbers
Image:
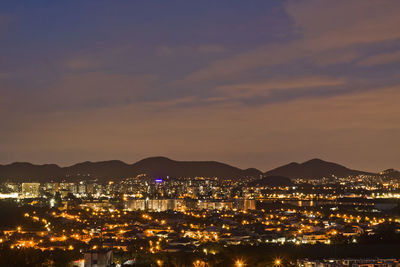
[{"x": 257, "y": 83}]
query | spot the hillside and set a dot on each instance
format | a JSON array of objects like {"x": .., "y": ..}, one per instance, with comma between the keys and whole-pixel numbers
[
  {"x": 104, "y": 170},
  {"x": 313, "y": 169}
]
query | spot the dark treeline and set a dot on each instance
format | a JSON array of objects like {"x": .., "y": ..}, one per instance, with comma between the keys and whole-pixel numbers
[{"x": 262, "y": 255}]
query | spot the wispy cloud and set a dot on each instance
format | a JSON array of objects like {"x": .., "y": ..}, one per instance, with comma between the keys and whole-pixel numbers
[
  {"x": 301, "y": 128},
  {"x": 85, "y": 91},
  {"x": 380, "y": 59},
  {"x": 180, "y": 50},
  {"x": 265, "y": 88},
  {"x": 324, "y": 37}
]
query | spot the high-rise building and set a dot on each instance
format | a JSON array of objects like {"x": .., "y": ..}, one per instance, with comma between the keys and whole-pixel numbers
[
  {"x": 30, "y": 190},
  {"x": 154, "y": 204},
  {"x": 90, "y": 188},
  {"x": 82, "y": 189}
]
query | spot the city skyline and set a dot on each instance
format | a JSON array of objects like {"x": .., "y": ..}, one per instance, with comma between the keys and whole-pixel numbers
[{"x": 252, "y": 85}]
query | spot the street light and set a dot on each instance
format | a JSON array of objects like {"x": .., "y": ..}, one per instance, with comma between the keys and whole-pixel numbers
[
  {"x": 239, "y": 263},
  {"x": 199, "y": 263},
  {"x": 277, "y": 262}
]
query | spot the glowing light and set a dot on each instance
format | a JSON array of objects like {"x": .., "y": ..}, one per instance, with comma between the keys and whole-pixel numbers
[
  {"x": 199, "y": 263},
  {"x": 239, "y": 263}
]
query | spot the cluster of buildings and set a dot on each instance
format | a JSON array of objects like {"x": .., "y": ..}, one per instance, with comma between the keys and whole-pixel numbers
[
  {"x": 171, "y": 215},
  {"x": 180, "y": 227},
  {"x": 38, "y": 190},
  {"x": 190, "y": 204}
]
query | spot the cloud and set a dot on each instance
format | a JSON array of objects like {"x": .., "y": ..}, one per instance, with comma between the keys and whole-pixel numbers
[
  {"x": 381, "y": 59},
  {"x": 172, "y": 103},
  {"x": 189, "y": 50},
  {"x": 341, "y": 23},
  {"x": 335, "y": 56},
  {"x": 265, "y": 88},
  {"x": 87, "y": 90},
  {"x": 357, "y": 129},
  {"x": 328, "y": 31}
]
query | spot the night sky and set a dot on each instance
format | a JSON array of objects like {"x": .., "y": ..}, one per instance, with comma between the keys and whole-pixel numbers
[{"x": 249, "y": 83}]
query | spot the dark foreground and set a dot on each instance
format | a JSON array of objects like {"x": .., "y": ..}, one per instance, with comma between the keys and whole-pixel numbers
[{"x": 265, "y": 255}]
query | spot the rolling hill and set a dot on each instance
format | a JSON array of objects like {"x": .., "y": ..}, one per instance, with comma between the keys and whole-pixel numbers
[
  {"x": 162, "y": 166},
  {"x": 313, "y": 169},
  {"x": 114, "y": 169}
]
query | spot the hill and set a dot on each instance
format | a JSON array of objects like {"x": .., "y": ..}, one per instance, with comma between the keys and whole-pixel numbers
[
  {"x": 313, "y": 169},
  {"x": 114, "y": 169},
  {"x": 161, "y": 167},
  {"x": 390, "y": 174}
]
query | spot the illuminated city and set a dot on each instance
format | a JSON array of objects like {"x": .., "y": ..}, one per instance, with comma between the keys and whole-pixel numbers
[{"x": 156, "y": 219}]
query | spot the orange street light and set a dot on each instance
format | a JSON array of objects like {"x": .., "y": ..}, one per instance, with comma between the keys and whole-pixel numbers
[{"x": 239, "y": 263}]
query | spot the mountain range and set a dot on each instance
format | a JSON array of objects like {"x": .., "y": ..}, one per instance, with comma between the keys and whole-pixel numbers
[
  {"x": 161, "y": 167},
  {"x": 114, "y": 169},
  {"x": 314, "y": 169}
]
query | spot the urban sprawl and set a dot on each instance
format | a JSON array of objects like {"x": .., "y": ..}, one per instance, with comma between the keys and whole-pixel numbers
[{"x": 151, "y": 219}]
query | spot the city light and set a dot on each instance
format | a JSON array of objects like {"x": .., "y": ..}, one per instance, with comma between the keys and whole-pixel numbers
[
  {"x": 239, "y": 263},
  {"x": 199, "y": 263}
]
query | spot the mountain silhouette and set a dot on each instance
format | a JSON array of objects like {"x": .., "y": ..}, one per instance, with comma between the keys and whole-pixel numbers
[
  {"x": 313, "y": 169},
  {"x": 114, "y": 169},
  {"x": 162, "y": 167},
  {"x": 390, "y": 173}
]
